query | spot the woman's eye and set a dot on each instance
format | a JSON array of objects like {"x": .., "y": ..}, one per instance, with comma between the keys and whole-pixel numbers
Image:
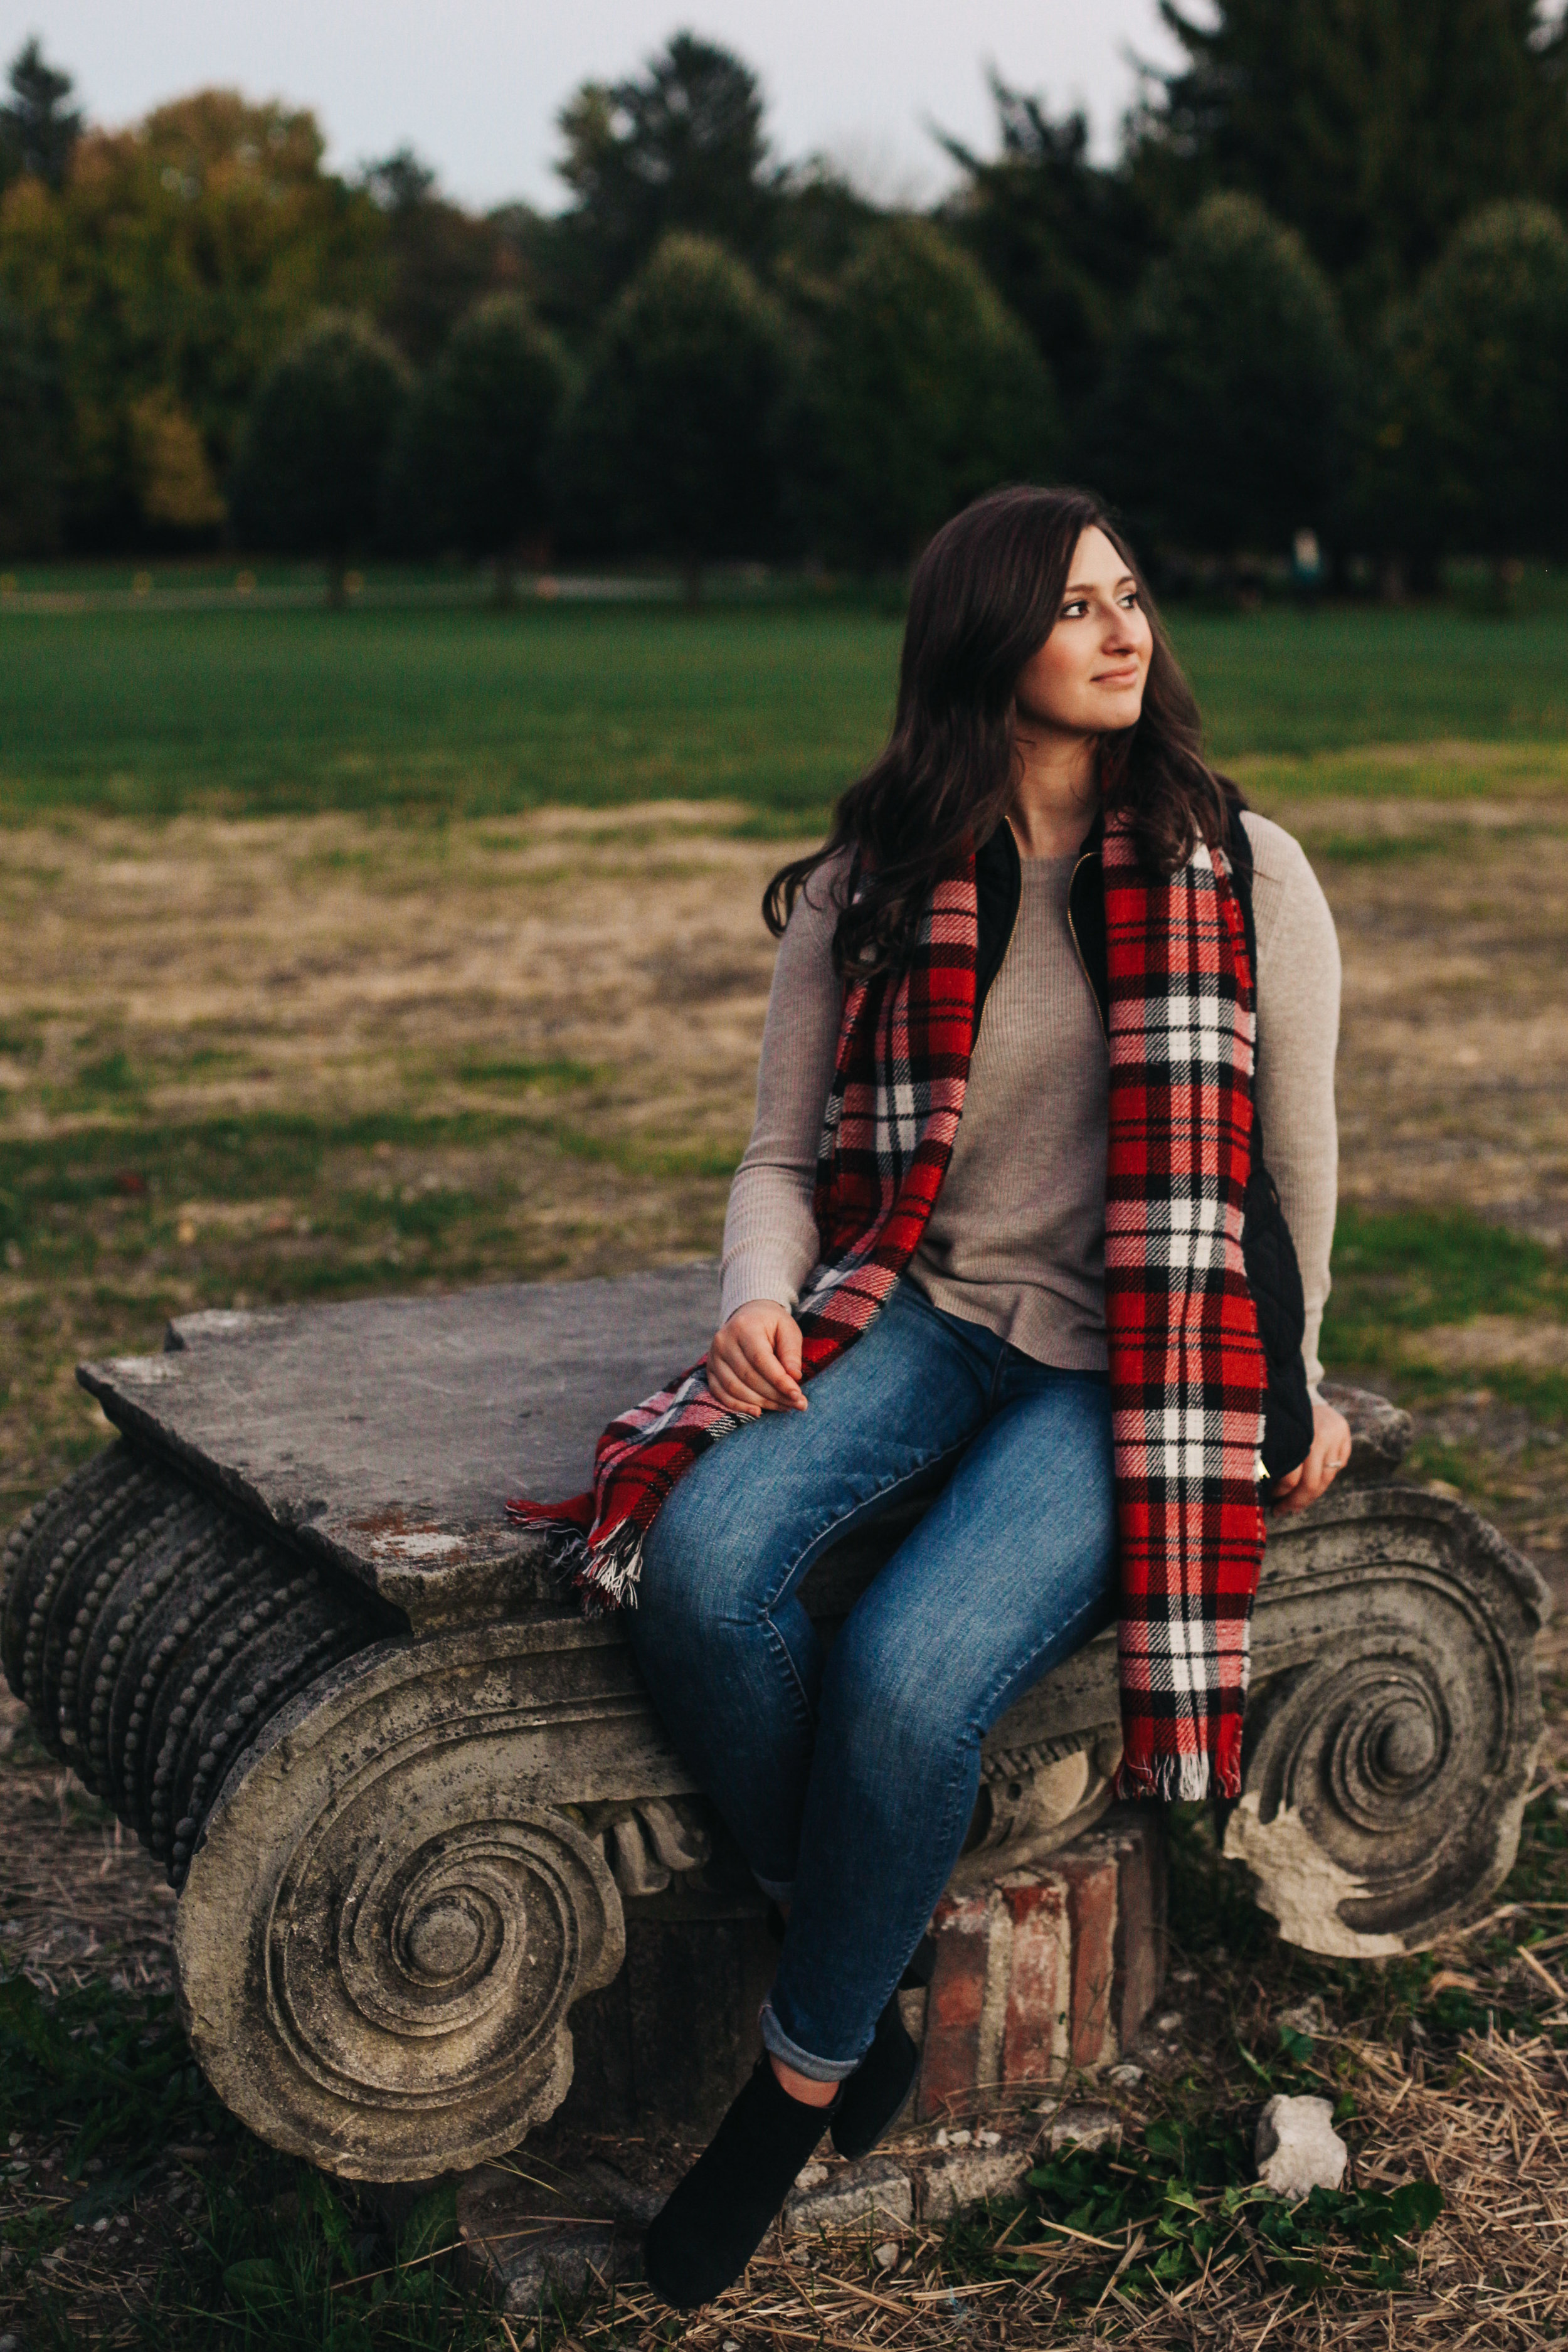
[
  {"x": 1130, "y": 601},
  {"x": 1075, "y": 610}
]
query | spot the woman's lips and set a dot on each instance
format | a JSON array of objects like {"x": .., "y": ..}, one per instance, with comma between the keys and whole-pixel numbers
[{"x": 1128, "y": 677}]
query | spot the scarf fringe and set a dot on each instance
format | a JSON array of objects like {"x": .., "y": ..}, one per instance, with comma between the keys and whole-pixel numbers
[
  {"x": 1175, "y": 1780},
  {"x": 607, "y": 1573}
]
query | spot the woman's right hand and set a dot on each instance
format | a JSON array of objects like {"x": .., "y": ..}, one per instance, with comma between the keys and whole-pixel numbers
[{"x": 753, "y": 1363}]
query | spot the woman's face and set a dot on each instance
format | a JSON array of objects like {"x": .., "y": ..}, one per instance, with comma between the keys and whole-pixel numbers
[{"x": 1088, "y": 677}]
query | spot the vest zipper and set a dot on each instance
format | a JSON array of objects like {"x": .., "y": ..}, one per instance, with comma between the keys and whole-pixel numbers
[{"x": 1078, "y": 951}]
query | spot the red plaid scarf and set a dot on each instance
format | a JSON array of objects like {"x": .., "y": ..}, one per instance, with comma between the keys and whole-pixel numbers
[{"x": 1188, "y": 1375}]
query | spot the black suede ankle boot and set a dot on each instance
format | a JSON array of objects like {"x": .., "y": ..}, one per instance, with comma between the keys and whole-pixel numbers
[
  {"x": 718, "y": 2216},
  {"x": 879, "y": 2087}
]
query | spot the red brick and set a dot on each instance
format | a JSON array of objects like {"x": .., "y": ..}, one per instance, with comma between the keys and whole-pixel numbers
[
  {"x": 1033, "y": 2039},
  {"x": 956, "y": 2002},
  {"x": 1090, "y": 1868},
  {"x": 1060, "y": 1965}
]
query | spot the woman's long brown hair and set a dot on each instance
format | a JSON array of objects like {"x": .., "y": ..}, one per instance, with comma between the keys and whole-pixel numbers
[{"x": 986, "y": 596}]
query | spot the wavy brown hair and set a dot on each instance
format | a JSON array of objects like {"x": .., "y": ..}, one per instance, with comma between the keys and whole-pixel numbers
[{"x": 986, "y": 596}]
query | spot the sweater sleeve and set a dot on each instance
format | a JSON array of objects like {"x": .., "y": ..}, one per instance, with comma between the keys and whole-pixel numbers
[
  {"x": 770, "y": 1233},
  {"x": 1298, "y": 1033}
]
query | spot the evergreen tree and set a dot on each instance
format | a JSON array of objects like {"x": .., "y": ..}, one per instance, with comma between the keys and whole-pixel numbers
[
  {"x": 38, "y": 131},
  {"x": 474, "y": 459},
  {"x": 1225, "y": 406},
  {"x": 923, "y": 392},
  {"x": 1371, "y": 127},
  {"x": 672, "y": 445},
  {"x": 1064, "y": 240},
  {"x": 1468, "y": 449},
  {"x": 679, "y": 148},
  {"x": 313, "y": 453}
]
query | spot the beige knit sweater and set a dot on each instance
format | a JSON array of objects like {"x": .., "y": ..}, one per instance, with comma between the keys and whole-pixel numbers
[{"x": 1017, "y": 1239}]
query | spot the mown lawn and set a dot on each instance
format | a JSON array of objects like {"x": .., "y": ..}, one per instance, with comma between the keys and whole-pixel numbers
[{"x": 464, "y": 710}]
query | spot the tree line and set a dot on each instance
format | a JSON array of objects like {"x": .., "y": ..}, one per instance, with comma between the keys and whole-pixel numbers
[{"x": 1320, "y": 293}]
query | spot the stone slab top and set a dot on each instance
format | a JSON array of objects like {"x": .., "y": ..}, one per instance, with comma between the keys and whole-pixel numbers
[{"x": 388, "y": 1432}]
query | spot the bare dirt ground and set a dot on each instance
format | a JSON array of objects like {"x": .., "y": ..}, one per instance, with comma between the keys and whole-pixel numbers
[{"x": 550, "y": 1025}]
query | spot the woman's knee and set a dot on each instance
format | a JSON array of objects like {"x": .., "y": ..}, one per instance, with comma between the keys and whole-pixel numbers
[{"x": 703, "y": 1566}]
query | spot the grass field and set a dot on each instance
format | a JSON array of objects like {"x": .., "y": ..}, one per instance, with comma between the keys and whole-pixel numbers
[
  {"x": 403, "y": 950},
  {"x": 463, "y": 711}
]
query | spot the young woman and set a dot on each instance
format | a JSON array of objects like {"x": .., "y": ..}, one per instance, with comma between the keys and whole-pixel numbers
[{"x": 1028, "y": 991}]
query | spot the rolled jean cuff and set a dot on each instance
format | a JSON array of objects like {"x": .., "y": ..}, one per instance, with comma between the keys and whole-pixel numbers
[
  {"x": 777, "y": 1890},
  {"x": 776, "y": 2042}
]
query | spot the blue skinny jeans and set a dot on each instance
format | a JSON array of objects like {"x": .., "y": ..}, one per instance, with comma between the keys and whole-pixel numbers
[{"x": 848, "y": 1774}]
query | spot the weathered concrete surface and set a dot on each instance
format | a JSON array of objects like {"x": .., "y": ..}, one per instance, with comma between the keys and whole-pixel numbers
[
  {"x": 851, "y": 2197},
  {"x": 527, "y": 2232},
  {"x": 970, "y": 2177},
  {"x": 389, "y": 1431}
]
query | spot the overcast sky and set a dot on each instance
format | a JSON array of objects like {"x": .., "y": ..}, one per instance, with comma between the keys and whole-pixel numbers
[{"x": 475, "y": 85}]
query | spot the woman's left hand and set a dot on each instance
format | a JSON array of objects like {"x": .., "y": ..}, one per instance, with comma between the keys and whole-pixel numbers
[{"x": 1331, "y": 1452}]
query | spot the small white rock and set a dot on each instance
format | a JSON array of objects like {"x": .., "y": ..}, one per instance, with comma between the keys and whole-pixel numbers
[
  {"x": 988, "y": 2139},
  {"x": 1086, "y": 2127},
  {"x": 1170, "y": 2023},
  {"x": 810, "y": 2176},
  {"x": 1298, "y": 2148},
  {"x": 1124, "y": 2077},
  {"x": 730, "y": 2344},
  {"x": 941, "y": 2139},
  {"x": 1309, "y": 2018},
  {"x": 884, "y": 2257},
  {"x": 958, "y": 2139},
  {"x": 872, "y": 2190}
]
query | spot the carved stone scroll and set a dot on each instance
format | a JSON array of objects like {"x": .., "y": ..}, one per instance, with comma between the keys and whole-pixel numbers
[
  {"x": 401, "y": 1891},
  {"x": 1394, "y": 1723}
]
